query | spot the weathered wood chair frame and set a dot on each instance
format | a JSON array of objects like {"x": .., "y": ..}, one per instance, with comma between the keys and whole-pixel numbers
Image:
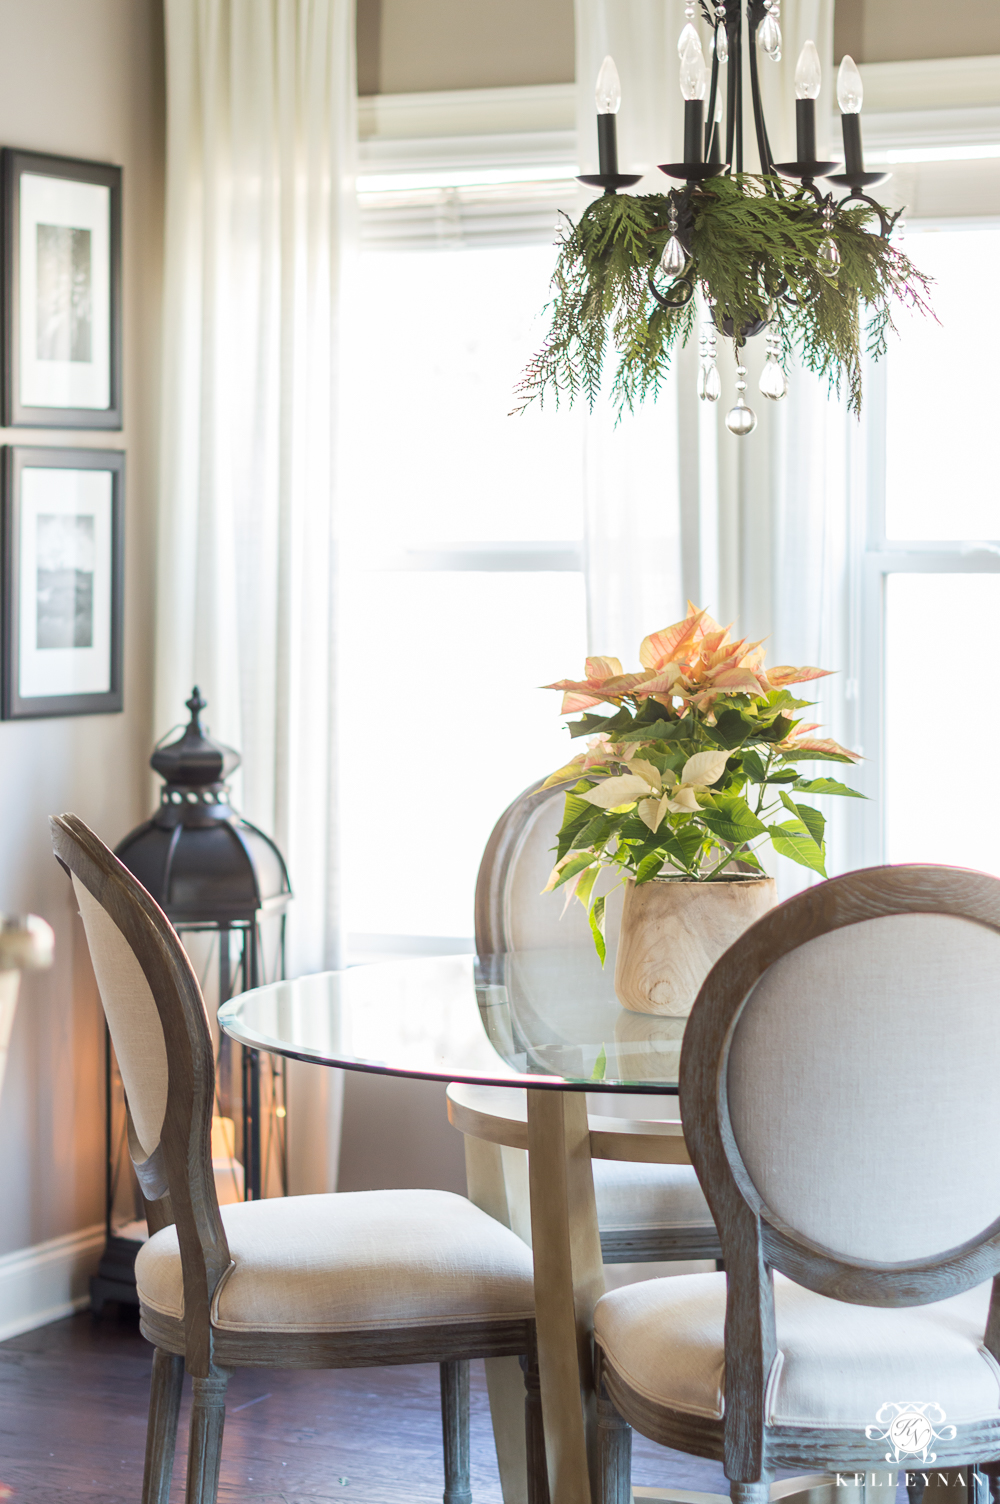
[
  {"x": 178, "y": 1187},
  {"x": 755, "y": 1241}
]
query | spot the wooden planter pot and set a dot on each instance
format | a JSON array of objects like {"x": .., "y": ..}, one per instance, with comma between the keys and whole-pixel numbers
[{"x": 673, "y": 931}]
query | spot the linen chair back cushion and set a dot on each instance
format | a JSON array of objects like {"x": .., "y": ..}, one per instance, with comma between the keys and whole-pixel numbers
[
  {"x": 533, "y": 920},
  {"x": 862, "y": 1086},
  {"x": 133, "y": 1020}
]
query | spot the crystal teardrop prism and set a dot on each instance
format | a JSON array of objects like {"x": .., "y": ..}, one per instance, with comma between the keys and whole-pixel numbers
[
  {"x": 713, "y": 385},
  {"x": 741, "y": 420},
  {"x": 688, "y": 38},
  {"x": 722, "y": 45},
  {"x": 828, "y": 257},
  {"x": 773, "y": 382},
  {"x": 769, "y": 36},
  {"x": 674, "y": 258}
]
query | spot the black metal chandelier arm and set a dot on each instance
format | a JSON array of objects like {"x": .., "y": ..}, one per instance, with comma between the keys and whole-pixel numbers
[
  {"x": 885, "y": 223},
  {"x": 679, "y": 283},
  {"x": 755, "y": 15}
]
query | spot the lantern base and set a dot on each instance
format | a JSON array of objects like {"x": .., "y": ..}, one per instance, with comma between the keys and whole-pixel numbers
[{"x": 115, "y": 1277}]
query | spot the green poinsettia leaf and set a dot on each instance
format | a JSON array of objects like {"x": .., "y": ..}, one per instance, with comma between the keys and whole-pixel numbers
[
  {"x": 811, "y": 818},
  {"x": 597, "y": 929},
  {"x": 648, "y": 868},
  {"x": 585, "y": 886},
  {"x": 654, "y": 731},
  {"x": 595, "y": 832},
  {"x": 792, "y": 839},
  {"x": 753, "y": 766},
  {"x": 731, "y": 729},
  {"x": 806, "y": 754},
  {"x": 826, "y": 786},
  {"x": 600, "y": 1065},
  {"x": 730, "y": 817},
  {"x": 573, "y": 866}
]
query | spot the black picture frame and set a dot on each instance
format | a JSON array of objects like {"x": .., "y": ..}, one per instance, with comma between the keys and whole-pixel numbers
[
  {"x": 105, "y": 607},
  {"x": 19, "y": 410}
]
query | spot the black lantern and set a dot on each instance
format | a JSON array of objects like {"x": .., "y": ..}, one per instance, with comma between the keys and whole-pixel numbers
[{"x": 214, "y": 873}]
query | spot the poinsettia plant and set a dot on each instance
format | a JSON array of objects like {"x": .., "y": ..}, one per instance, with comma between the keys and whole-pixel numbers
[{"x": 695, "y": 768}]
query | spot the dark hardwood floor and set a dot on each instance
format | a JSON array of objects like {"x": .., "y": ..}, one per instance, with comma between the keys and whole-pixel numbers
[{"x": 73, "y": 1422}]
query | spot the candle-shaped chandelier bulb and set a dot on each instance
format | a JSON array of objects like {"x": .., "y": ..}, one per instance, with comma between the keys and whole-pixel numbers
[
  {"x": 808, "y": 73},
  {"x": 850, "y": 89},
  {"x": 808, "y": 78},
  {"x": 850, "y": 93},
  {"x": 608, "y": 93},
  {"x": 694, "y": 74},
  {"x": 694, "y": 77}
]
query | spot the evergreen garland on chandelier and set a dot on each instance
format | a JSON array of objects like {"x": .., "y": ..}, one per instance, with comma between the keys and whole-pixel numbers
[
  {"x": 766, "y": 251},
  {"x": 753, "y": 245}
]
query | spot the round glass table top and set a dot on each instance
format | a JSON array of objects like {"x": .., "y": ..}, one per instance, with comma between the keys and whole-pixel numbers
[{"x": 547, "y": 1015}]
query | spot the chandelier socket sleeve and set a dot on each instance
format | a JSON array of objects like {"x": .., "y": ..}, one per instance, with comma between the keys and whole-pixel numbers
[
  {"x": 805, "y": 129},
  {"x": 694, "y": 130},
  {"x": 607, "y": 144},
  {"x": 853, "y": 157}
]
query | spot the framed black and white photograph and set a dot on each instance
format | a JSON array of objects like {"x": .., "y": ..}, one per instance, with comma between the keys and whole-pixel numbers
[
  {"x": 63, "y": 513},
  {"x": 62, "y": 292}
]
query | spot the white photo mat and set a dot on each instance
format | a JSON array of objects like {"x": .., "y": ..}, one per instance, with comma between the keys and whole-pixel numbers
[
  {"x": 65, "y": 293},
  {"x": 65, "y": 582}
]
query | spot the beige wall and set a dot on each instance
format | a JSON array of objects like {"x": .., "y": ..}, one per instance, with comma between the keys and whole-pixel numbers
[
  {"x": 413, "y": 46},
  {"x": 82, "y": 78},
  {"x": 886, "y": 31}
]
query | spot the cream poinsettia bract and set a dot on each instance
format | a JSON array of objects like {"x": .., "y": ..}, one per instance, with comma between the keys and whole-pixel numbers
[{"x": 655, "y": 793}]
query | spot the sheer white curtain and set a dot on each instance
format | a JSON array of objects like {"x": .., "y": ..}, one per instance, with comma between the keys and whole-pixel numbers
[
  {"x": 261, "y": 126},
  {"x": 633, "y": 470}
]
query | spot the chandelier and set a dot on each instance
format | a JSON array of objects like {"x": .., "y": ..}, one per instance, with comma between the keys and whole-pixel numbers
[{"x": 771, "y": 252}]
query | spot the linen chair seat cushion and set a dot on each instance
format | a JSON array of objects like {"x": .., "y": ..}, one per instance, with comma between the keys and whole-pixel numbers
[
  {"x": 836, "y": 1364},
  {"x": 650, "y": 1196},
  {"x": 352, "y": 1260}
]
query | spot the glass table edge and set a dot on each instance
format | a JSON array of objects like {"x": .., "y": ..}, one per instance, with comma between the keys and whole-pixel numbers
[{"x": 229, "y": 1020}]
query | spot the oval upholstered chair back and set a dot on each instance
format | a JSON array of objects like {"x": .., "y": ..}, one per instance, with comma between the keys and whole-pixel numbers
[
  {"x": 160, "y": 1030},
  {"x": 512, "y": 911},
  {"x": 838, "y": 1085}
]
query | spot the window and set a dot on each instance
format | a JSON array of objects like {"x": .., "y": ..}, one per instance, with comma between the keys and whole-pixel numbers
[
  {"x": 932, "y": 591},
  {"x": 462, "y": 587}
]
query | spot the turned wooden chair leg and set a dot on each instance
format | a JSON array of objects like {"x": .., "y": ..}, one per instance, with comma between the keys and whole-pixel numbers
[
  {"x": 208, "y": 1415},
  {"x": 161, "y": 1428},
  {"x": 534, "y": 1432},
  {"x": 455, "y": 1427},
  {"x": 752, "y": 1493},
  {"x": 614, "y": 1453}
]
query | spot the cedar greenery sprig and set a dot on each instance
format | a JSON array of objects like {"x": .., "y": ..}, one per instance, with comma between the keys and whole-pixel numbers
[{"x": 752, "y": 244}]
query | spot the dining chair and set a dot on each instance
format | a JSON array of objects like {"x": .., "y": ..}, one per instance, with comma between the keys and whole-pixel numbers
[
  {"x": 858, "y": 1321},
  {"x": 356, "y": 1279},
  {"x": 646, "y": 1212}
]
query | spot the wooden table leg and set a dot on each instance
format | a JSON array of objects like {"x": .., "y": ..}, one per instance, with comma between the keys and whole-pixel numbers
[
  {"x": 489, "y": 1189},
  {"x": 569, "y": 1281}
]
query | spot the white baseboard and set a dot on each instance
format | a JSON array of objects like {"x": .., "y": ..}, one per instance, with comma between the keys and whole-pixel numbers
[{"x": 49, "y": 1281}]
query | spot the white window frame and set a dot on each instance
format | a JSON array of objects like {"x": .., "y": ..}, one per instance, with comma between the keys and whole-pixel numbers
[
  {"x": 469, "y": 168},
  {"x": 936, "y": 125}
]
